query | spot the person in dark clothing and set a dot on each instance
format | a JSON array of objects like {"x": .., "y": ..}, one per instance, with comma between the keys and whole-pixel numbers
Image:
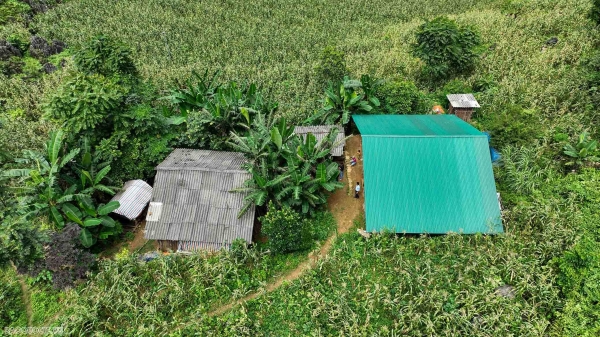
[{"x": 357, "y": 190}]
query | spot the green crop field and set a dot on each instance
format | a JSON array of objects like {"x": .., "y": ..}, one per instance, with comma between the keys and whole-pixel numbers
[
  {"x": 276, "y": 43},
  {"x": 538, "y": 92}
]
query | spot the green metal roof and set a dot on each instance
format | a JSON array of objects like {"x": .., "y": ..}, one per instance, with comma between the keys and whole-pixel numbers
[
  {"x": 427, "y": 174},
  {"x": 414, "y": 126}
]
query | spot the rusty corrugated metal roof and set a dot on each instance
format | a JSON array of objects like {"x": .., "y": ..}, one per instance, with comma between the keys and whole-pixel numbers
[
  {"x": 191, "y": 192},
  {"x": 133, "y": 197},
  {"x": 463, "y": 100},
  {"x": 320, "y": 131}
]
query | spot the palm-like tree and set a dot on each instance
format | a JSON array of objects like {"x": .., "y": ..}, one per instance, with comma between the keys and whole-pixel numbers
[
  {"x": 260, "y": 188},
  {"x": 341, "y": 101},
  {"x": 286, "y": 168},
  {"x": 90, "y": 174},
  {"x": 42, "y": 193}
]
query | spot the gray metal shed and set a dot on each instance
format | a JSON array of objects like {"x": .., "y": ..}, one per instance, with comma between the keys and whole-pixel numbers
[
  {"x": 133, "y": 197},
  {"x": 320, "y": 131},
  {"x": 192, "y": 206}
]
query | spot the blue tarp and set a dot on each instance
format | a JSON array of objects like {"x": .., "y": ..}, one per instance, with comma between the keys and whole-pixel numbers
[{"x": 494, "y": 154}]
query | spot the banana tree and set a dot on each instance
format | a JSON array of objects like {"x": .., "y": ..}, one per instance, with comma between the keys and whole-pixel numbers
[
  {"x": 94, "y": 221},
  {"x": 341, "y": 102},
  {"x": 300, "y": 191},
  {"x": 195, "y": 93},
  {"x": 39, "y": 184},
  {"x": 90, "y": 175},
  {"x": 260, "y": 188}
]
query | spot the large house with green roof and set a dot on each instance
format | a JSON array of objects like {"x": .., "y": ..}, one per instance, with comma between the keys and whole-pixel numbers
[{"x": 427, "y": 174}]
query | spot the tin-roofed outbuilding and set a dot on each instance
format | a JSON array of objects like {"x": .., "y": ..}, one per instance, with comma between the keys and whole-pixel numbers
[
  {"x": 320, "y": 132},
  {"x": 192, "y": 206},
  {"x": 462, "y": 105},
  {"x": 427, "y": 174},
  {"x": 133, "y": 198}
]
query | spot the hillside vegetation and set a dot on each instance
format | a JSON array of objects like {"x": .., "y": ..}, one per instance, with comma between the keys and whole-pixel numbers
[{"x": 536, "y": 76}]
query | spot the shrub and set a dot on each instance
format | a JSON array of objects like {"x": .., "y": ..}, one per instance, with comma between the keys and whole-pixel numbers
[
  {"x": 321, "y": 225},
  {"x": 285, "y": 229},
  {"x": 136, "y": 144},
  {"x": 20, "y": 41},
  {"x": 484, "y": 83},
  {"x": 403, "y": 97},
  {"x": 239, "y": 250},
  {"x": 12, "y": 10},
  {"x": 31, "y": 67},
  {"x": 8, "y": 50},
  {"x": 13, "y": 66},
  {"x": 86, "y": 103},
  {"x": 446, "y": 48},
  {"x": 103, "y": 55},
  {"x": 590, "y": 67},
  {"x": 20, "y": 242},
  {"x": 514, "y": 125},
  {"x": 331, "y": 66},
  {"x": 582, "y": 151}
]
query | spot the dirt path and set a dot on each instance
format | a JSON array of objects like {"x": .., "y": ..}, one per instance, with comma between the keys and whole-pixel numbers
[{"x": 344, "y": 207}]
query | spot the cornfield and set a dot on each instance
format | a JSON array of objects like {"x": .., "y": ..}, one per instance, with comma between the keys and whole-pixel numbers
[
  {"x": 384, "y": 286},
  {"x": 276, "y": 43}
]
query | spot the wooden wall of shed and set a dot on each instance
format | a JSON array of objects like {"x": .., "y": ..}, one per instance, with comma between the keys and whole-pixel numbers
[
  {"x": 463, "y": 113},
  {"x": 166, "y": 246}
]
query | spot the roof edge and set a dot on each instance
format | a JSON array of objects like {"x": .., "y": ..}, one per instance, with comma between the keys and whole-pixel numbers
[
  {"x": 170, "y": 168},
  {"x": 424, "y": 136}
]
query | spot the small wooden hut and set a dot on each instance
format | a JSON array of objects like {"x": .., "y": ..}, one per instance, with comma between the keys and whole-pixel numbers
[{"x": 462, "y": 105}]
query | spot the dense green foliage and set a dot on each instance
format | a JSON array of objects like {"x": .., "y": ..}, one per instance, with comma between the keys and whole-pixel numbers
[
  {"x": 375, "y": 287},
  {"x": 331, "y": 66},
  {"x": 595, "y": 11},
  {"x": 537, "y": 82},
  {"x": 42, "y": 194},
  {"x": 445, "y": 48},
  {"x": 212, "y": 111},
  {"x": 86, "y": 103},
  {"x": 106, "y": 57},
  {"x": 12, "y": 10},
  {"x": 403, "y": 97},
  {"x": 21, "y": 243},
  {"x": 285, "y": 229},
  {"x": 105, "y": 103},
  {"x": 287, "y": 169},
  {"x": 342, "y": 99}
]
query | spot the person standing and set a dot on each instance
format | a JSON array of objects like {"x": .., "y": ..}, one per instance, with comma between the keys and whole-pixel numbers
[
  {"x": 341, "y": 176},
  {"x": 356, "y": 190}
]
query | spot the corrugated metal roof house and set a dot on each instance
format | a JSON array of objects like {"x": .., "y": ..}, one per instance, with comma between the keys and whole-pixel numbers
[
  {"x": 191, "y": 205},
  {"x": 133, "y": 197},
  {"x": 427, "y": 174},
  {"x": 320, "y": 132}
]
